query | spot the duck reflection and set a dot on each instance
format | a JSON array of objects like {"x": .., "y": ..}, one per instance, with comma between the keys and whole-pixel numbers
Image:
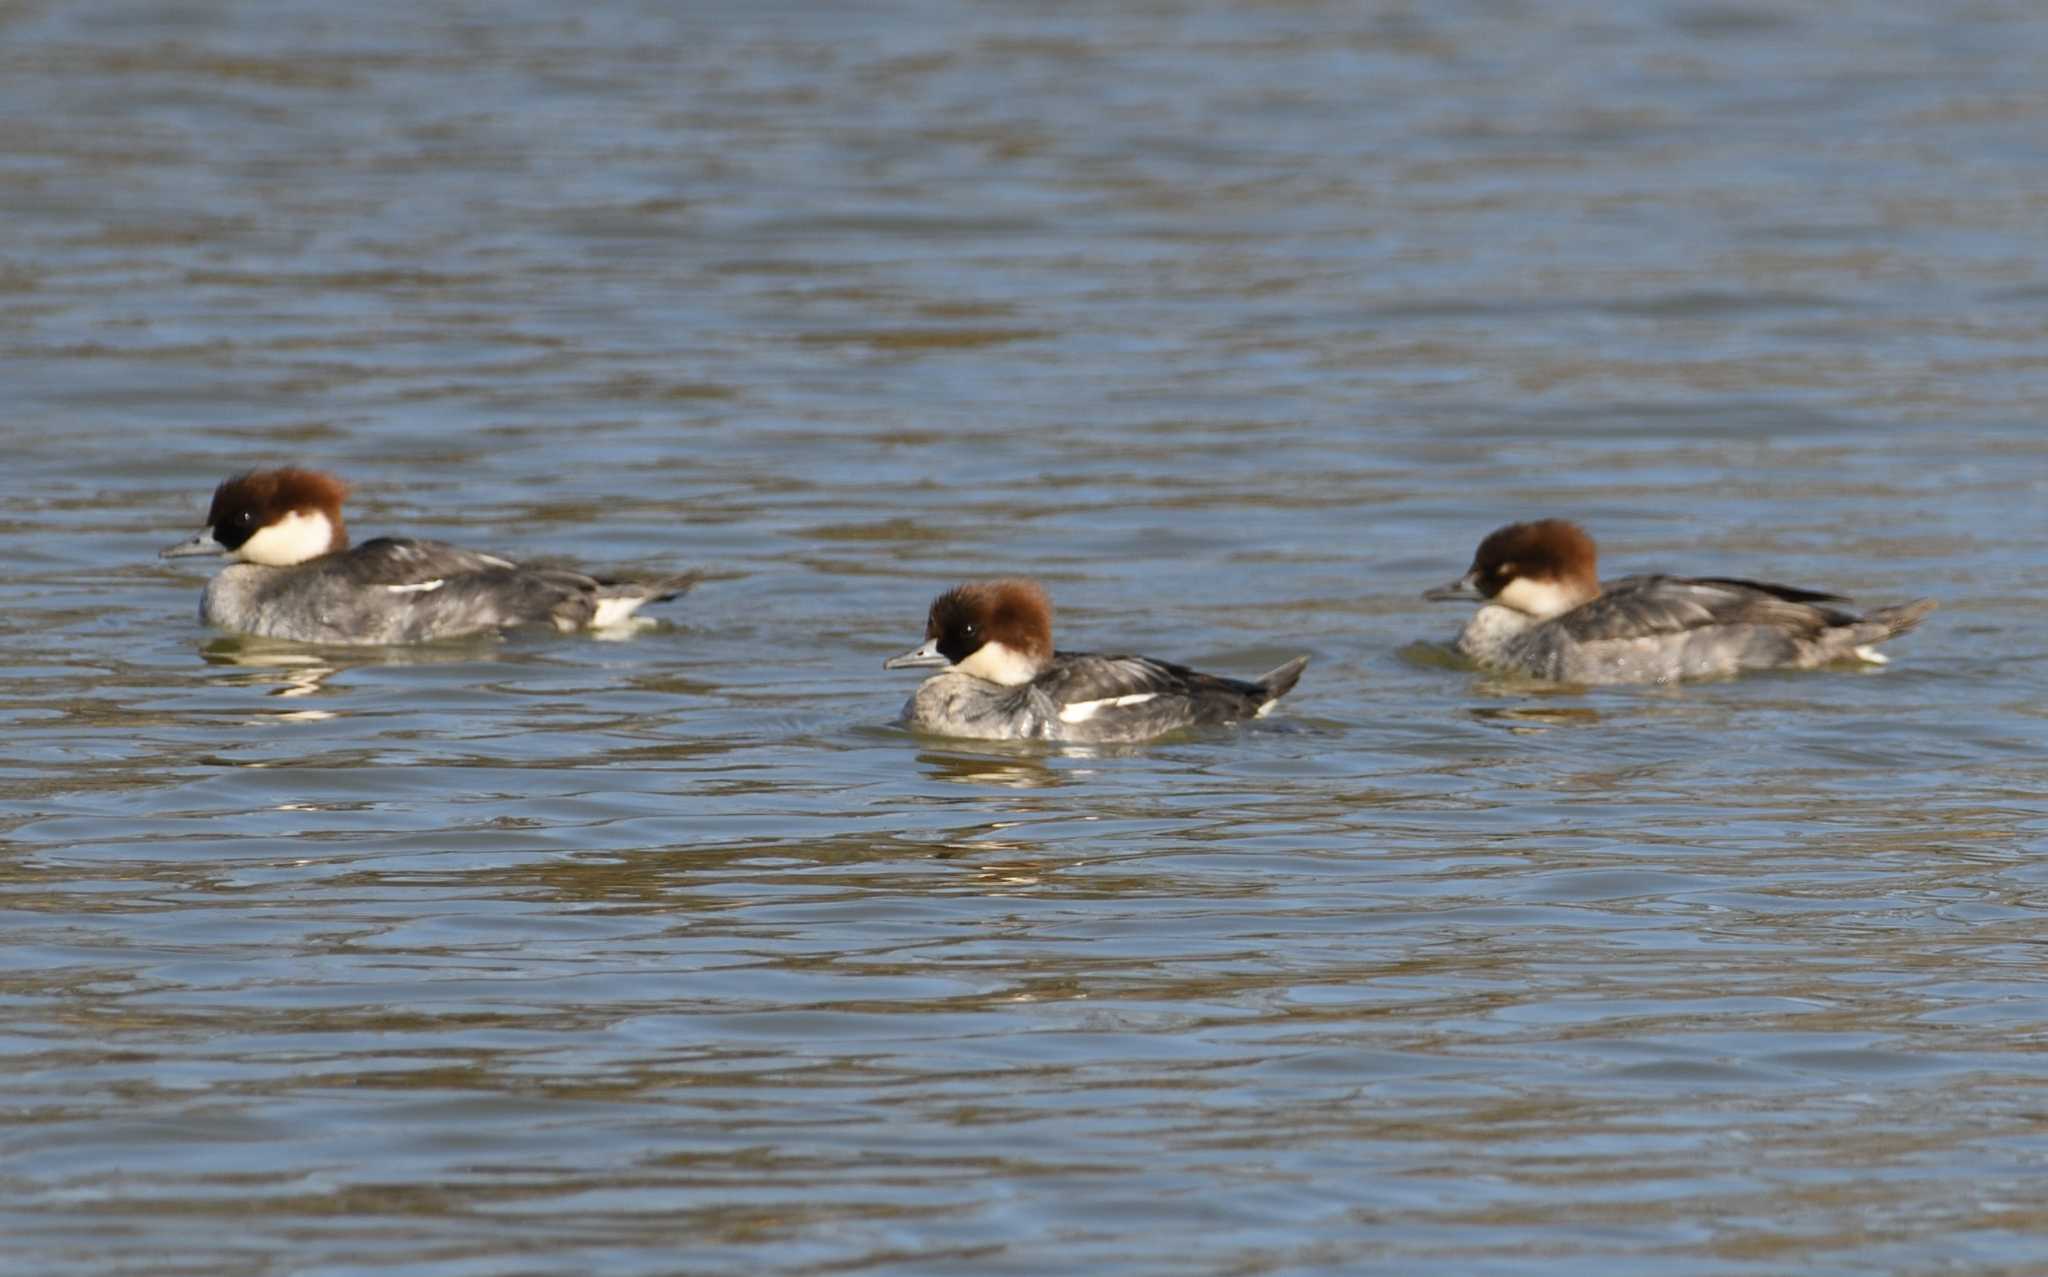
[
  {"x": 1021, "y": 767},
  {"x": 282, "y": 669},
  {"x": 1525, "y": 718},
  {"x": 292, "y": 670}
]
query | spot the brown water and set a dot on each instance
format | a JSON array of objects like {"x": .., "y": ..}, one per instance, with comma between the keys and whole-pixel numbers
[{"x": 1238, "y": 324}]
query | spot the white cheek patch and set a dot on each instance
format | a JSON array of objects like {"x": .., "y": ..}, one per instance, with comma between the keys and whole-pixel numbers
[
  {"x": 300, "y": 535},
  {"x": 1082, "y": 711},
  {"x": 999, "y": 663},
  {"x": 420, "y": 588},
  {"x": 1543, "y": 599},
  {"x": 1872, "y": 655}
]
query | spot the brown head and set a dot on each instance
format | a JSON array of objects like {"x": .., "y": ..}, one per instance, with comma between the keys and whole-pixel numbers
[
  {"x": 1544, "y": 568},
  {"x": 996, "y": 630},
  {"x": 273, "y": 517}
]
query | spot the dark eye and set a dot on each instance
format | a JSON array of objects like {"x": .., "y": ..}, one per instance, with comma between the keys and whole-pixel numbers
[
  {"x": 968, "y": 631},
  {"x": 245, "y": 518}
]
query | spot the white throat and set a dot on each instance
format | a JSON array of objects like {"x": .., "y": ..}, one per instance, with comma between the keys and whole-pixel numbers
[
  {"x": 999, "y": 663},
  {"x": 300, "y": 535},
  {"x": 1489, "y": 632},
  {"x": 1540, "y": 599}
]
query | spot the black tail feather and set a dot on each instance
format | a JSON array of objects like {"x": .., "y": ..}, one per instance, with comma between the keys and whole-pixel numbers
[{"x": 1278, "y": 682}]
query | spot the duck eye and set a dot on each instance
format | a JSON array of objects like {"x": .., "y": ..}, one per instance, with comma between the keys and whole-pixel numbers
[{"x": 969, "y": 630}]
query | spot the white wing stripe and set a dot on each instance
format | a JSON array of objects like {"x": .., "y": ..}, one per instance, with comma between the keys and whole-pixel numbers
[{"x": 1082, "y": 711}]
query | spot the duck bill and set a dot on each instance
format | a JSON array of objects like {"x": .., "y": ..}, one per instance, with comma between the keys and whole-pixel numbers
[
  {"x": 1462, "y": 588},
  {"x": 917, "y": 658},
  {"x": 200, "y": 542}
]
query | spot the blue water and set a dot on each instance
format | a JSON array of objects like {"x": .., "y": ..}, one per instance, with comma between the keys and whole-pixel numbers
[{"x": 1236, "y": 324}]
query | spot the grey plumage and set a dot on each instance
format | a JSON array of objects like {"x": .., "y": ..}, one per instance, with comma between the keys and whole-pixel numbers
[
  {"x": 1076, "y": 699},
  {"x": 393, "y": 590},
  {"x": 1643, "y": 629}
]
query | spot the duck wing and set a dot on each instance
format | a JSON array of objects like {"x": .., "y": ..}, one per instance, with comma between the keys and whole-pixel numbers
[
  {"x": 1085, "y": 676},
  {"x": 1639, "y": 606},
  {"x": 409, "y": 561}
]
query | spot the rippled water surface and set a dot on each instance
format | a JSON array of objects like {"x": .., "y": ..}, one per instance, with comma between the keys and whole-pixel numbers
[{"x": 1238, "y": 324}]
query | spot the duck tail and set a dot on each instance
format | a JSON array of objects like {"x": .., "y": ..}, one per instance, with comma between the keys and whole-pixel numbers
[
  {"x": 1864, "y": 634},
  {"x": 618, "y": 600},
  {"x": 1280, "y": 681},
  {"x": 1897, "y": 620}
]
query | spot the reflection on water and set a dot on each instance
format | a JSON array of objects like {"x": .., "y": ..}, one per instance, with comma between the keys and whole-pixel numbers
[
  {"x": 1014, "y": 765},
  {"x": 1520, "y": 718},
  {"x": 280, "y": 672},
  {"x": 1232, "y": 322},
  {"x": 286, "y": 669}
]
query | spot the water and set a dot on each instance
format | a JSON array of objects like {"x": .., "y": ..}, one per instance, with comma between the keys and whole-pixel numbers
[{"x": 1238, "y": 324}]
